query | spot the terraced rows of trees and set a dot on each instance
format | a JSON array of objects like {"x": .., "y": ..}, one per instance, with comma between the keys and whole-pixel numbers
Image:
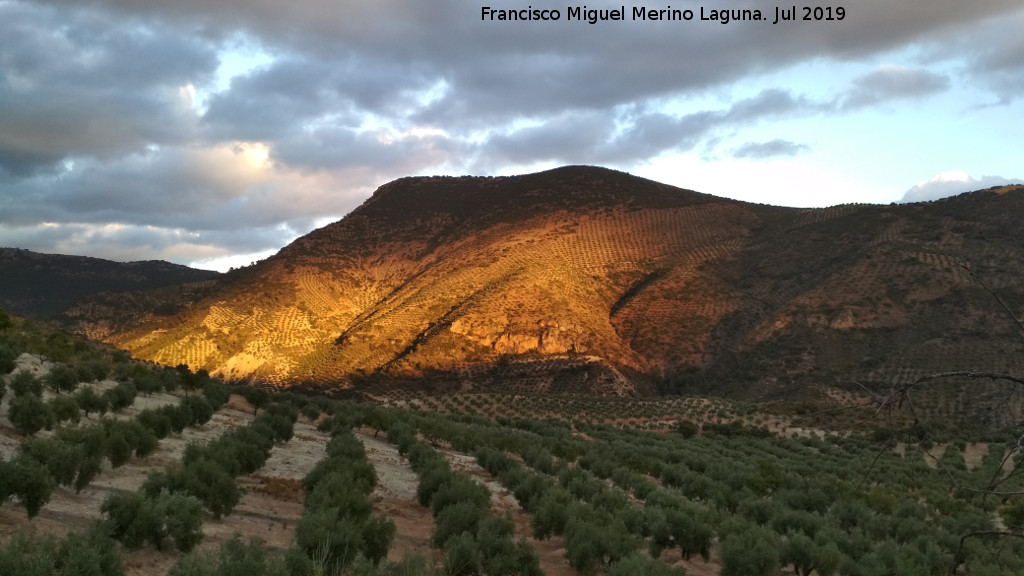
[
  {"x": 754, "y": 502},
  {"x": 630, "y": 502},
  {"x": 718, "y": 491},
  {"x": 656, "y": 414},
  {"x": 474, "y": 540},
  {"x": 71, "y": 432}
]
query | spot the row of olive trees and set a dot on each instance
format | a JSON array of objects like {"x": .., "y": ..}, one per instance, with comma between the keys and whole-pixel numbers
[
  {"x": 73, "y": 456},
  {"x": 768, "y": 502},
  {"x": 209, "y": 471},
  {"x": 169, "y": 506},
  {"x": 86, "y": 553},
  {"x": 474, "y": 541},
  {"x": 338, "y": 526},
  {"x": 338, "y": 532},
  {"x": 602, "y": 530},
  {"x": 29, "y": 413}
]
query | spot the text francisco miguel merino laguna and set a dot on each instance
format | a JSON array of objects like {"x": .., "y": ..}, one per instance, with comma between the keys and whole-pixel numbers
[{"x": 722, "y": 16}]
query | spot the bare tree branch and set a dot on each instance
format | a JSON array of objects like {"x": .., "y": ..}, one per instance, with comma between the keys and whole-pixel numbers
[
  {"x": 1020, "y": 324},
  {"x": 958, "y": 558}
]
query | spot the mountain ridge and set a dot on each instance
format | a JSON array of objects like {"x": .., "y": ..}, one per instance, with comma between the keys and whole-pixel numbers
[
  {"x": 43, "y": 285},
  {"x": 587, "y": 279}
]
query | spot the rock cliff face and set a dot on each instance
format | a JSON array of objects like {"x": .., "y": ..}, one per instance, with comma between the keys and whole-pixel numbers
[{"x": 580, "y": 275}]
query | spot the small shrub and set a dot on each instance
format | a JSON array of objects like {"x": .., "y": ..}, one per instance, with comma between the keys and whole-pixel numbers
[
  {"x": 62, "y": 378},
  {"x": 217, "y": 489},
  {"x": 29, "y": 414},
  {"x": 117, "y": 448},
  {"x": 178, "y": 417},
  {"x": 156, "y": 421},
  {"x": 750, "y": 552},
  {"x": 199, "y": 409},
  {"x": 8, "y": 355},
  {"x": 216, "y": 394},
  {"x": 235, "y": 558},
  {"x": 32, "y": 484},
  {"x": 90, "y": 553},
  {"x": 65, "y": 409},
  {"x": 24, "y": 382},
  {"x": 90, "y": 402},
  {"x": 687, "y": 429},
  {"x": 60, "y": 458},
  {"x": 456, "y": 519},
  {"x": 636, "y": 564},
  {"x": 257, "y": 397},
  {"x": 121, "y": 396},
  {"x": 92, "y": 371}
]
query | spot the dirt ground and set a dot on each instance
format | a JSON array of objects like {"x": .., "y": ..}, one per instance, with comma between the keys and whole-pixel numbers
[
  {"x": 272, "y": 502},
  {"x": 395, "y": 497}
]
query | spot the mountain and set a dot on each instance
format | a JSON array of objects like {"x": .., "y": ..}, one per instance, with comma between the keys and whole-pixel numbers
[
  {"x": 42, "y": 285},
  {"x": 583, "y": 278}
]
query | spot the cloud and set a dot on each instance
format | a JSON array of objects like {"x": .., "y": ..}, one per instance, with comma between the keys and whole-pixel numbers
[
  {"x": 210, "y": 201},
  {"x": 501, "y": 69},
  {"x": 114, "y": 118},
  {"x": 889, "y": 83},
  {"x": 128, "y": 242},
  {"x": 79, "y": 84},
  {"x": 774, "y": 148},
  {"x": 1000, "y": 62},
  {"x": 378, "y": 150},
  {"x": 297, "y": 91},
  {"x": 952, "y": 183},
  {"x": 587, "y": 137}
]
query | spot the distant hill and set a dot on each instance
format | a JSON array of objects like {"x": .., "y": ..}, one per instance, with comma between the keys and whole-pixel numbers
[
  {"x": 587, "y": 279},
  {"x": 42, "y": 285}
]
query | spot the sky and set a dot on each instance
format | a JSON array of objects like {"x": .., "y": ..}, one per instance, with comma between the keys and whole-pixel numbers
[{"x": 214, "y": 132}]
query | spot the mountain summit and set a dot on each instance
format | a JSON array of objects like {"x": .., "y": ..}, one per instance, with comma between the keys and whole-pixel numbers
[{"x": 583, "y": 276}]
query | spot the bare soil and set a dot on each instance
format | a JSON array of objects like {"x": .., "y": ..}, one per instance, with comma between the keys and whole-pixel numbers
[{"x": 395, "y": 497}]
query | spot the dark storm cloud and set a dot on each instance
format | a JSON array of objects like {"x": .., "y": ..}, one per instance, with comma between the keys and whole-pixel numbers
[
  {"x": 79, "y": 84},
  {"x": 1000, "y": 62},
  {"x": 97, "y": 126},
  {"x": 285, "y": 96},
  {"x": 208, "y": 190},
  {"x": 772, "y": 149},
  {"x": 566, "y": 139},
  {"x": 497, "y": 69}
]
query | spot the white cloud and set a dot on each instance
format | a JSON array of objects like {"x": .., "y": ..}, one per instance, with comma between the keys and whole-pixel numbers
[
  {"x": 225, "y": 263},
  {"x": 951, "y": 183}
]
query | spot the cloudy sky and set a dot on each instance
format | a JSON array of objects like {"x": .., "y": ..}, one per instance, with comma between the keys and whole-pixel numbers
[{"x": 212, "y": 132}]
